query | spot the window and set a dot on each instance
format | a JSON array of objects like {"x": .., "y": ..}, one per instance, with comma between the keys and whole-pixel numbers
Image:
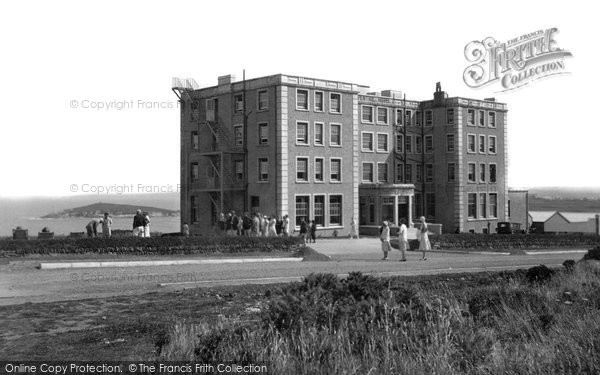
[
  {"x": 263, "y": 100},
  {"x": 482, "y": 144},
  {"x": 382, "y": 172},
  {"x": 382, "y": 115},
  {"x": 238, "y": 135},
  {"x": 428, "y": 144},
  {"x": 450, "y": 116},
  {"x": 471, "y": 117},
  {"x": 382, "y": 142},
  {"x": 318, "y": 134},
  {"x": 428, "y": 172},
  {"x": 492, "y": 144},
  {"x": 418, "y": 206},
  {"x": 367, "y": 142},
  {"x": 470, "y": 142},
  {"x": 335, "y": 135},
  {"x": 239, "y": 170},
  {"x": 482, "y": 172},
  {"x": 263, "y": 169},
  {"x": 336, "y": 170},
  {"x": 408, "y": 174},
  {"x": 320, "y": 210},
  {"x": 492, "y": 119},
  {"x": 319, "y": 169},
  {"x": 451, "y": 172},
  {"x": 211, "y": 109},
  {"x": 418, "y": 144},
  {"x": 429, "y": 118},
  {"x": 195, "y": 141},
  {"x": 302, "y": 209},
  {"x": 399, "y": 143},
  {"x": 367, "y": 175},
  {"x": 195, "y": 110},
  {"x": 471, "y": 176},
  {"x": 472, "y": 205},
  {"x": 418, "y": 118},
  {"x": 408, "y": 144},
  {"x": 387, "y": 208},
  {"x": 399, "y": 172},
  {"x": 482, "y": 205},
  {"x": 302, "y": 133},
  {"x": 419, "y": 173},
  {"x": 335, "y": 210},
  {"x": 194, "y": 209},
  {"x": 263, "y": 133},
  {"x": 194, "y": 172},
  {"x": 398, "y": 116},
  {"x": 430, "y": 205},
  {"x": 335, "y": 103},
  {"x": 493, "y": 205},
  {"x": 302, "y": 100},
  {"x": 239, "y": 102},
  {"x": 449, "y": 142},
  {"x": 367, "y": 113},
  {"x": 302, "y": 169},
  {"x": 318, "y": 101},
  {"x": 481, "y": 118},
  {"x": 408, "y": 117},
  {"x": 493, "y": 173}
]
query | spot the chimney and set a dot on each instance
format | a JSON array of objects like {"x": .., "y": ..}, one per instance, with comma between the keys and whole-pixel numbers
[
  {"x": 226, "y": 80},
  {"x": 439, "y": 96}
]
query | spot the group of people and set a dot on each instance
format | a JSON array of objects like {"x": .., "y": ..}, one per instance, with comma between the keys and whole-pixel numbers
[
  {"x": 105, "y": 222},
  {"x": 257, "y": 225},
  {"x": 141, "y": 224},
  {"x": 385, "y": 237}
]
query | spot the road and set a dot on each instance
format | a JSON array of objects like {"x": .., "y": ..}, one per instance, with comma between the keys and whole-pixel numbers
[{"x": 22, "y": 281}]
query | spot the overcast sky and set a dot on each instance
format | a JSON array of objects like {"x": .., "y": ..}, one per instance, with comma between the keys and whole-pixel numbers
[{"x": 63, "y": 54}]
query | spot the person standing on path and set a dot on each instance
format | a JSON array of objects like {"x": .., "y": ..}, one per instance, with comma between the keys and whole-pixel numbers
[
  {"x": 286, "y": 226},
  {"x": 403, "y": 239},
  {"x": 185, "y": 229},
  {"x": 146, "y": 225},
  {"x": 106, "y": 225},
  {"x": 353, "y": 228},
  {"x": 138, "y": 224},
  {"x": 385, "y": 240},
  {"x": 303, "y": 231},
  {"x": 272, "y": 231},
  {"x": 424, "y": 244},
  {"x": 92, "y": 228},
  {"x": 313, "y": 231}
]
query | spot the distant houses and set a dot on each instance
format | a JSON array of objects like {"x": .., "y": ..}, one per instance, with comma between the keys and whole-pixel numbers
[{"x": 564, "y": 222}]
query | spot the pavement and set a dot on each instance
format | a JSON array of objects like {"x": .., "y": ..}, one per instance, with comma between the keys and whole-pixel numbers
[{"x": 24, "y": 281}]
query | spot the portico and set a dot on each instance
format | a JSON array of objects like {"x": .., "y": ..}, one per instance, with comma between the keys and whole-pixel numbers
[{"x": 379, "y": 202}]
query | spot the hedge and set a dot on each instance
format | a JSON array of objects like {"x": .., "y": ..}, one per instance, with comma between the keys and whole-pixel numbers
[
  {"x": 512, "y": 241},
  {"x": 149, "y": 246}
]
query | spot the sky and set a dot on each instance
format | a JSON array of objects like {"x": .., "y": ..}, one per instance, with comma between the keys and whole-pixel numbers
[{"x": 62, "y": 60}]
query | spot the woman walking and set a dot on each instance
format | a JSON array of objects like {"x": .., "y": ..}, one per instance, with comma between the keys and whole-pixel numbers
[
  {"x": 385, "y": 240},
  {"x": 424, "y": 244}
]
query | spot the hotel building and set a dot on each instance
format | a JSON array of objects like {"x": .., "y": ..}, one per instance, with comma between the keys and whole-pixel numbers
[{"x": 330, "y": 151}]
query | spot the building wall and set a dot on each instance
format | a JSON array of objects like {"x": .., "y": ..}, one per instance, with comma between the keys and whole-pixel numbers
[{"x": 518, "y": 204}]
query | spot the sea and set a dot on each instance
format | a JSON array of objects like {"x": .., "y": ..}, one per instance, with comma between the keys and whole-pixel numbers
[{"x": 28, "y": 213}]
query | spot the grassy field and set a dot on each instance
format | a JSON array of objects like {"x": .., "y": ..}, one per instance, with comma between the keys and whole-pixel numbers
[{"x": 488, "y": 323}]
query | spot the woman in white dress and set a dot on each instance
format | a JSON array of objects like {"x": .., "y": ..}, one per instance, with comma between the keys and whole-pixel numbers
[
  {"x": 353, "y": 229},
  {"x": 286, "y": 226},
  {"x": 424, "y": 244},
  {"x": 146, "y": 225},
  {"x": 272, "y": 227}
]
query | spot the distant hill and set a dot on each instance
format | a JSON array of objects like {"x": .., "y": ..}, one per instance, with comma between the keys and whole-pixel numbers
[
  {"x": 557, "y": 192},
  {"x": 567, "y": 205},
  {"x": 98, "y": 209}
]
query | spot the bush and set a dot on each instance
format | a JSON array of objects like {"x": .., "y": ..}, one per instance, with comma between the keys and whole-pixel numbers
[
  {"x": 149, "y": 246},
  {"x": 512, "y": 241}
]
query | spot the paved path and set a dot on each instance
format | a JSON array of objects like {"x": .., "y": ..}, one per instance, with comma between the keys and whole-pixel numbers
[{"x": 22, "y": 282}]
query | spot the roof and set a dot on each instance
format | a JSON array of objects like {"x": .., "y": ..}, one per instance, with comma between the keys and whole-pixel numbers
[
  {"x": 578, "y": 217},
  {"x": 542, "y": 216}
]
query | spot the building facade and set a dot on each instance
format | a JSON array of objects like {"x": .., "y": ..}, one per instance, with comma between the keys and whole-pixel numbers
[{"x": 332, "y": 151}]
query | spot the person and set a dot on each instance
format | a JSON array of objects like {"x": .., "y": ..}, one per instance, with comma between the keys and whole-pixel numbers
[
  {"x": 229, "y": 224},
  {"x": 385, "y": 239},
  {"x": 272, "y": 232},
  {"x": 424, "y": 244},
  {"x": 146, "y": 222},
  {"x": 256, "y": 225},
  {"x": 138, "y": 224},
  {"x": 235, "y": 224},
  {"x": 264, "y": 226},
  {"x": 285, "y": 226},
  {"x": 92, "y": 228},
  {"x": 279, "y": 225},
  {"x": 303, "y": 231},
  {"x": 353, "y": 228},
  {"x": 246, "y": 224},
  {"x": 106, "y": 225},
  {"x": 221, "y": 223},
  {"x": 313, "y": 231},
  {"x": 403, "y": 239},
  {"x": 185, "y": 229}
]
